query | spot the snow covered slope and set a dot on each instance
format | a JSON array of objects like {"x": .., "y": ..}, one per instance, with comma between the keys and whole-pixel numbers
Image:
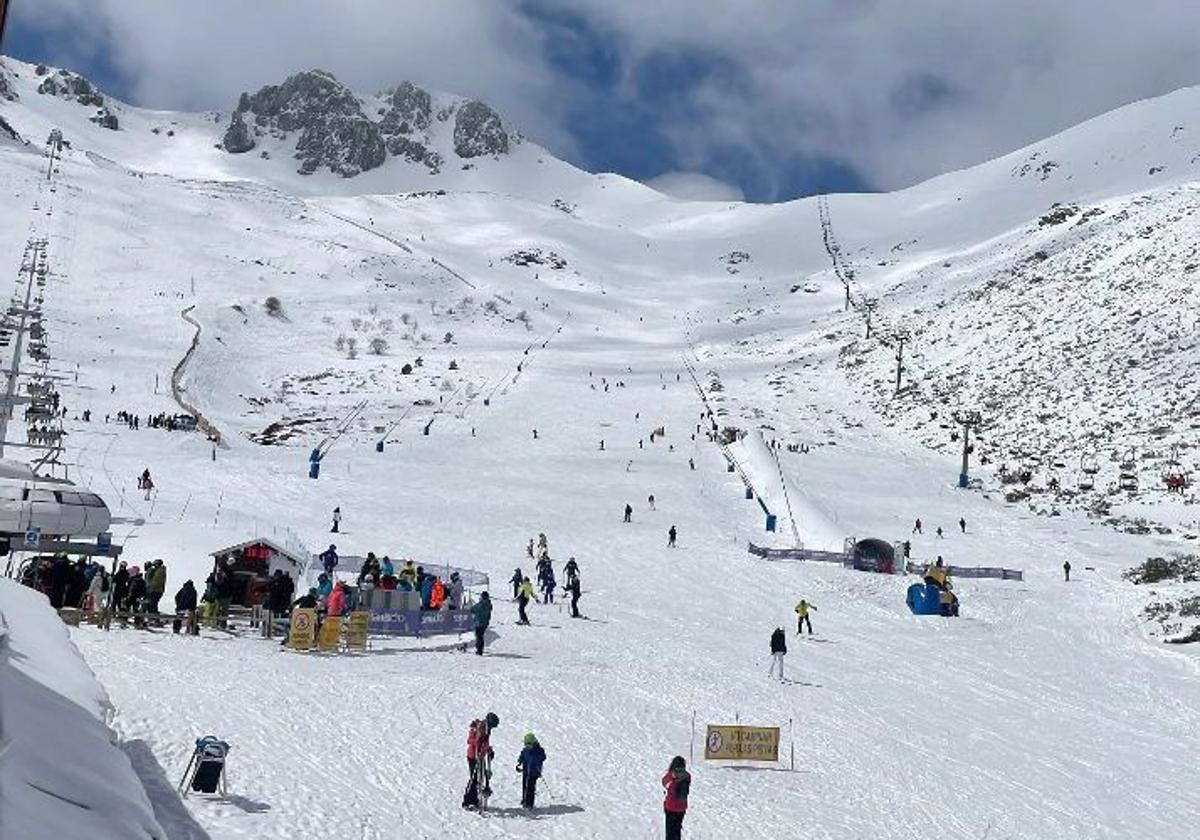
[{"x": 529, "y": 295}]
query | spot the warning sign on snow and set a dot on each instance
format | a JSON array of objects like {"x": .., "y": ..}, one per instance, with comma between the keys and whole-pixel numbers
[
  {"x": 329, "y": 637},
  {"x": 356, "y": 630},
  {"x": 741, "y": 743},
  {"x": 303, "y": 629}
]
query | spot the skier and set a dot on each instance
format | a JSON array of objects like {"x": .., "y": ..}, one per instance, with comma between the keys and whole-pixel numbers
[
  {"x": 147, "y": 485},
  {"x": 529, "y": 765},
  {"x": 573, "y": 589},
  {"x": 337, "y": 521},
  {"x": 652, "y": 502},
  {"x": 692, "y": 463},
  {"x": 483, "y": 616},
  {"x": 802, "y": 610},
  {"x": 517, "y": 577},
  {"x": 601, "y": 444},
  {"x": 547, "y": 582},
  {"x": 778, "y": 651},
  {"x": 185, "y": 606},
  {"x": 962, "y": 524},
  {"x": 677, "y": 784},
  {"x": 671, "y": 537},
  {"x": 479, "y": 757},
  {"x": 628, "y": 512},
  {"x": 571, "y": 569},
  {"x": 329, "y": 559},
  {"x": 524, "y": 596},
  {"x": 1067, "y": 570},
  {"x": 917, "y": 527},
  {"x": 940, "y": 535}
]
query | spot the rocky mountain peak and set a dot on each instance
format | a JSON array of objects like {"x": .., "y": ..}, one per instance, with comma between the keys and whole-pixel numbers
[{"x": 335, "y": 132}]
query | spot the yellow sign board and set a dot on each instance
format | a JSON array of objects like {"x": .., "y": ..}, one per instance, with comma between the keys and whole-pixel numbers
[
  {"x": 741, "y": 743},
  {"x": 356, "y": 630},
  {"x": 330, "y": 636},
  {"x": 303, "y": 629}
]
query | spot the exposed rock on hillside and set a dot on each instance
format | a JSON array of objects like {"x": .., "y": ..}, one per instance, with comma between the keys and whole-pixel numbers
[{"x": 479, "y": 131}]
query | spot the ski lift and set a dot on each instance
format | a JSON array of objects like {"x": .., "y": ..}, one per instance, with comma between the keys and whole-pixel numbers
[
  {"x": 1127, "y": 481},
  {"x": 1129, "y": 460},
  {"x": 1089, "y": 464},
  {"x": 1174, "y": 475}
]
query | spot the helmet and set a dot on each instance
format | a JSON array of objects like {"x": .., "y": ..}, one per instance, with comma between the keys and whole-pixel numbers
[
  {"x": 530, "y": 739},
  {"x": 492, "y": 720}
]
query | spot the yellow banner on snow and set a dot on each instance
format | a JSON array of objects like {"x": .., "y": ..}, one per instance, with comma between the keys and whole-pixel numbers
[
  {"x": 303, "y": 629},
  {"x": 330, "y": 635},
  {"x": 356, "y": 630},
  {"x": 741, "y": 743}
]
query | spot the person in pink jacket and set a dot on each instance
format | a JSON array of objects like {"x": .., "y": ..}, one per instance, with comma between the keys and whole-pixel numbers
[
  {"x": 337, "y": 599},
  {"x": 677, "y": 783}
]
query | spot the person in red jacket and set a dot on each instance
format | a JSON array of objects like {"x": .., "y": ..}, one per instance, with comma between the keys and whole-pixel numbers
[
  {"x": 337, "y": 599},
  {"x": 479, "y": 752},
  {"x": 676, "y": 784}
]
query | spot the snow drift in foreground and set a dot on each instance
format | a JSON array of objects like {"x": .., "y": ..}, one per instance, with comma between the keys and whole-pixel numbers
[{"x": 60, "y": 773}]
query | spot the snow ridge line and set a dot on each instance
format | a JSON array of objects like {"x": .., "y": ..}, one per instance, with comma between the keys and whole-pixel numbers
[{"x": 177, "y": 374}]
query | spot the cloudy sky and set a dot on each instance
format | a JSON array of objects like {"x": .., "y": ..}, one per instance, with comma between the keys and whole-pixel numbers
[{"x": 769, "y": 99}]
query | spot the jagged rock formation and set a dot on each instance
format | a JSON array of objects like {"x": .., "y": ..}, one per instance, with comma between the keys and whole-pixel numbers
[
  {"x": 479, "y": 131},
  {"x": 75, "y": 88},
  {"x": 238, "y": 137},
  {"x": 334, "y": 131},
  {"x": 6, "y": 91}
]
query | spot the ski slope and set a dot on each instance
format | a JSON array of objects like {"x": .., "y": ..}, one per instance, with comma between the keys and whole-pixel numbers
[{"x": 1045, "y": 711}]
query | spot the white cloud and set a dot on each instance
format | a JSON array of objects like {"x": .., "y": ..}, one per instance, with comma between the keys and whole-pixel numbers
[
  {"x": 897, "y": 90},
  {"x": 695, "y": 186}
]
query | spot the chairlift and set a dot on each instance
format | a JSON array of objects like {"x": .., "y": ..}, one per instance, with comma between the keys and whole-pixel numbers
[
  {"x": 1089, "y": 464},
  {"x": 1127, "y": 481},
  {"x": 1129, "y": 459},
  {"x": 1087, "y": 481}
]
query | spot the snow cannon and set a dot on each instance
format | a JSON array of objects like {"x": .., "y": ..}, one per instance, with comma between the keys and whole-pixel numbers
[{"x": 930, "y": 599}]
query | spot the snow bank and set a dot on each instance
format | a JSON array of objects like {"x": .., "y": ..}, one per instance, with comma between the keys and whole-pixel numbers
[{"x": 60, "y": 773}]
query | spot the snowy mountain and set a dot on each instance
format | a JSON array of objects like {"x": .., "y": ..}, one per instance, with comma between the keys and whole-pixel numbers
[{"x": 273, "y": 266}]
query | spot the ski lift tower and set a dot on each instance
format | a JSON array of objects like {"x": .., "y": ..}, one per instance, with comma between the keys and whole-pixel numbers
[{"x": 968, "y": 419}]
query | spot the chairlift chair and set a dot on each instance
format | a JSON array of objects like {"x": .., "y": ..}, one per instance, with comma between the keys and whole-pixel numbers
[{"x": 1127, "y": 481}]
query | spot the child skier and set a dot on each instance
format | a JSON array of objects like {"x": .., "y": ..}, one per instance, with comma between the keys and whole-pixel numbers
[
  {"x": 529, "y": 765},
  {"x": 479, "y": 757}
]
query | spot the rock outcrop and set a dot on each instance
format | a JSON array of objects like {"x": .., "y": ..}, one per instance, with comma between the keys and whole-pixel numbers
[
  {"x": 333, "y": 130},
  {"x": 479, "y": 131}
]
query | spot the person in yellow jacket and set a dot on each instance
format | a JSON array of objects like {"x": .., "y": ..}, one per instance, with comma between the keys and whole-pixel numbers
[
  {"x": 524, "y": 596},
  {"x": 408, "y": 576},
  {"x": 802, "y": 610}
]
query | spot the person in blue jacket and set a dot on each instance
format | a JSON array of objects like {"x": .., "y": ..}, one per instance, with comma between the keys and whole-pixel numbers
[
  {"x": 529, "y": 764},
  {"x": 517, "y": 577}
]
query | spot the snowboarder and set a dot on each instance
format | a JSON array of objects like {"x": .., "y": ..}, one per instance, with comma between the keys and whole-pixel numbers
[
  {"x": 517, "y": 577},
  {"x": 483, "y": 616},
  {"x": 628, "y": 512},
  {"x": 337, "y": 521},
  {"x": 671, "y": 537},
  {"x": 677, "y": 784},
  {"x": 529, "y": 765},
  {"x": 479, "y": 759},
  {"x": 524, "y": 596},
  {"x": 917, "y": 527},
  {"x": 962, "y": 524},
  {"x": 601, "y": 444},
  {"x": 1067, "y": 571},
  {"x": 329, "y": 559},
  {"x": 778, "y": 651},
  {"x": 802, "y": 610},
  {"x": 652, "y": 502}
]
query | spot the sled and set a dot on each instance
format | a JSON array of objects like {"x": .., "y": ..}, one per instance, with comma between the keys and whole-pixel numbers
[{"x": 205, "y": 771}]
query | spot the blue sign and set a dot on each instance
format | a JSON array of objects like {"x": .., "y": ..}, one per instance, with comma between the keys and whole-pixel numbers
[{"x": 421, "y": 622}]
